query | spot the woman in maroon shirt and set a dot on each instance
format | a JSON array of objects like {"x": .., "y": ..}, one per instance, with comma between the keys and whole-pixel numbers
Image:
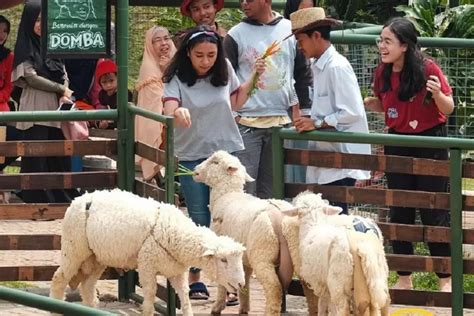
[{"x": 416, "y": 98}]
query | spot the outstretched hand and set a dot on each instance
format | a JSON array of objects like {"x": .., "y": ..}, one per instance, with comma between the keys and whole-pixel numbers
[{"x": 182, "y": 117}]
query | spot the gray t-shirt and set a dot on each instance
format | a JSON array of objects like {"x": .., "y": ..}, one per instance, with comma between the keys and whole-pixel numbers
[{"x": 213, "y": 126}]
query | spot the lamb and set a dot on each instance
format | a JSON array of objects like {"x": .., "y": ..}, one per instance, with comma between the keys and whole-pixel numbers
[
  {"x": 366, "y": 245},
  {"x": 327, "y": 264},
  {"x": 254, "y": 222},
  {"x": 121, "y": 230}
]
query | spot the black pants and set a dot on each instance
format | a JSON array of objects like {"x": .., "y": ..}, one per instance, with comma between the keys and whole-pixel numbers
[
  {"x": 46, "y": 164},
  {"x": 400, "y": 181},
  {"x": 346, "y": 182}
]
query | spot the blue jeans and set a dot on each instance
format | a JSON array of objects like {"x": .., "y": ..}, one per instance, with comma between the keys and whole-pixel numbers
[{"x": 196, "y": 196}]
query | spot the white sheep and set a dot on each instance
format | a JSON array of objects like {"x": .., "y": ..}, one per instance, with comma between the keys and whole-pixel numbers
[
  {"x": 370, "y": 278},
  {"x": 119, "y": 229},
  {"x": 326, "y": 260},
  {"x": 254, "y": 222}
]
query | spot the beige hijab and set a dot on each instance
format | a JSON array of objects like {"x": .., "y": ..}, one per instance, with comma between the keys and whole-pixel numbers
[{"x": 150, "y": 92}]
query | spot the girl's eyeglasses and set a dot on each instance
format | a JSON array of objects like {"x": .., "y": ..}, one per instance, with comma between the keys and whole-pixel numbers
[{"x": 383, "y": 41}]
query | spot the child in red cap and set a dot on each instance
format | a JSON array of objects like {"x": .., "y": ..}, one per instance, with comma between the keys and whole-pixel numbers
[{"x": 106, "y": 76}]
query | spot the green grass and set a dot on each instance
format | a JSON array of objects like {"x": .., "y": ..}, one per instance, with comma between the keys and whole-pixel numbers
[
  {"x": 468, "y": 184},
  {"x": 11, "y": 169},
  {"x": 17, "y": 284}
]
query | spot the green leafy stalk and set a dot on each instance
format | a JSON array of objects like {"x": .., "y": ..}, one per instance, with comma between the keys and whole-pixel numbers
[{"x": 183, "y": 171}]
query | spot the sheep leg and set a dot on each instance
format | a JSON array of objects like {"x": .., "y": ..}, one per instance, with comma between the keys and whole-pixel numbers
[
  {"x": 220, "y": 303},
  {"x": 147, "y": 276},
  {"x": 244, "y": 294},
  {"x": 361, "y": 290},
  {"x": 311, "y": 299},
  {"x": 340, "y": 307},
  {"x": 68, "y": 269},
  {"x": 88, "y": 286},
  {"x": 271, "y": 286},
  {"x": 323, "y": 305},
  {"x": 181, "y": 286},
  {"x": 385, "y": 309}
]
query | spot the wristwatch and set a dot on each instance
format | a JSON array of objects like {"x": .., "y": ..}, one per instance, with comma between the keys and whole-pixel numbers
[{"x": 318, "y": 123}]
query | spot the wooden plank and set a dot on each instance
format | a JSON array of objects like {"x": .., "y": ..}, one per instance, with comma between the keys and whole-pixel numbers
[
  {"x": 427, "y": 298},
  {"x": 41, "y": 273},
  {"x": 30, "y": 242},
  {"x": 367, "y": 162},
  {"x": 468, "y": 170},
  {"x": 59, "y": 180},
  {"x": 153, "y": 154},
  {"x": 21, "y": 211},
  {"x": 425, "y": 264},
  {"x": 401, "y": 232},
  {"x": 58, "y": 148},
  {"x": 432, "y": 200},
  {"x": 103, "y": 133},
  {"x": 145, "y": 189},
  {"x": 419, "y": 233}
]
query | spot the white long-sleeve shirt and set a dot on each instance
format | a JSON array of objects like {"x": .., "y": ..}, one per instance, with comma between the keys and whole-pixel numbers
[{"x": 337, "y": 100}]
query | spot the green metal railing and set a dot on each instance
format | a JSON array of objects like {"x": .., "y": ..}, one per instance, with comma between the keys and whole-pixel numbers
[
  {"x": 455, "y": 146},
  {"x": 169, "y": 187},
  {"x": 47, "y": 303}
]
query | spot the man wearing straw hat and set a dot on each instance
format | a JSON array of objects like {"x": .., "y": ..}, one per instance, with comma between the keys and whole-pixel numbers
[{"x": 337, "y": 101}]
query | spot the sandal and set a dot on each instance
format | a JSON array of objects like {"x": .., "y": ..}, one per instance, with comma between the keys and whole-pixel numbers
[
  {"x": 198, "y": 291},
  {"x": 232, "y": 299}
]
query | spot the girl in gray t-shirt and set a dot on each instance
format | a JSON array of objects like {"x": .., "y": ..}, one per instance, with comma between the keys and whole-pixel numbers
[{"x": 201, "y": 91}]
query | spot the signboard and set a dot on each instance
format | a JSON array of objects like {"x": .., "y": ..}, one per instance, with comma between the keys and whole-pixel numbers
[{"x": 76, "y": 28}]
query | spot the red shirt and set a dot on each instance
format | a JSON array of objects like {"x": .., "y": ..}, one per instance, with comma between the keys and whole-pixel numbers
[
  {"x": 6, "y": 85},
  {"x": 412, "y": 116}
]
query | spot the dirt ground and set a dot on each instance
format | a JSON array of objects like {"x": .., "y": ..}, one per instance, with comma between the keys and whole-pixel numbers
[{"x": 295, "y": 305}]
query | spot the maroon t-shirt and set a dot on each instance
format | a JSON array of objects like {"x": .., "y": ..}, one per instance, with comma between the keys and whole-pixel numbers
[{"x": 412, "y": 116}]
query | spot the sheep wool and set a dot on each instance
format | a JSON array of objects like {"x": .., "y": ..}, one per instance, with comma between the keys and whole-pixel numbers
[
  {"x": 248, "y": 220},
  {"x": 370, "y": 274},
  {"x": 122, "y": 230}
]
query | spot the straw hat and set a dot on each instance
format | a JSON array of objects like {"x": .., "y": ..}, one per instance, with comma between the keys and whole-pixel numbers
[
  {"x": 184, "y": 8},
  {"x": 310, "y": 18}
]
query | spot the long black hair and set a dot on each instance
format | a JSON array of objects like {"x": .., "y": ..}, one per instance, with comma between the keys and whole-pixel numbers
[
  {"x": 412, "y": 76},
  {"x": 182, "y": 67},
  {"x": 4, "y": 52},
  {"x": 293, "y": 6},
  {"x": 27, "y": 47}
]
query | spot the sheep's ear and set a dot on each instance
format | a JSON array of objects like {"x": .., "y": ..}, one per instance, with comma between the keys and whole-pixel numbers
[
  {"x": 231, "y": 170},
  {"x": 248, "y": 178},
  {"x": 291, "y": 212},
  {"x": 209, "y": 253},
  {"x": 332, "y": 210}
]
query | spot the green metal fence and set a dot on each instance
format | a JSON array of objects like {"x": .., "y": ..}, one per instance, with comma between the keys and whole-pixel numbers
[{"x": 455, "y": 145}]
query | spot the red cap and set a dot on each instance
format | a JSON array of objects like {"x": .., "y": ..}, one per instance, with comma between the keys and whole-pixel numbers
[
  {"x": 184, "y": 8},
  {"x": 104, "y": 67}
]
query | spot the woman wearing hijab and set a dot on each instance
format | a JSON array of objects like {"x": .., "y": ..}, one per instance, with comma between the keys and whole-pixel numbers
[
  {"x": 44, "y": 86},
  {"x": 158, "y": 51}
]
